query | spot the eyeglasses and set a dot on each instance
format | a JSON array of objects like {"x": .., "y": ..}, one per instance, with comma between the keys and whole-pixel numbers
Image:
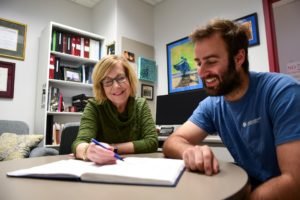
[{"x": 107, "y": 82}]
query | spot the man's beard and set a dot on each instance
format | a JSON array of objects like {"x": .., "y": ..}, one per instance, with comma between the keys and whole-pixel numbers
[{"x": 229, "y": 81}]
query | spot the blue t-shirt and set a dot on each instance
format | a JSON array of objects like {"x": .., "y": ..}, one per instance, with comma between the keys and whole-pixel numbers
[{"x": 251, "y": 127}]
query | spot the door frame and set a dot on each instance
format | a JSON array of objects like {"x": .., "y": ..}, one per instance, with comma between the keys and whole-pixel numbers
[{"x": 271, "y": 35}]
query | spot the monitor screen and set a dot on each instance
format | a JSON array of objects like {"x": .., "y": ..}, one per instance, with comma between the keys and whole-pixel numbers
[{"x": 176, "y": 108}]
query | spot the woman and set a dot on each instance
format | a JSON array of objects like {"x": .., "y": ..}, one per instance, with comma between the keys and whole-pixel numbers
[{"x": 115, "y": 117}]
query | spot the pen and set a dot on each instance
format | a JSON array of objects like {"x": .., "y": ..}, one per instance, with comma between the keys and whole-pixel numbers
[{"x": 101, "y": 145}]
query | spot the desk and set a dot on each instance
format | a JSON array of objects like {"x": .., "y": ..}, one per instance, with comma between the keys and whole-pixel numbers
[{"x": 229, "y": 183}]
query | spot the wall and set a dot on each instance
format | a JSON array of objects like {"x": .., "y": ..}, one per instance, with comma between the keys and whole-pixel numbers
[
  {"x": 36, "y": 14},
  {"x": 287, "y": 26},
  {"x": 104, "y": 20},
  {"x": 130, "y": 24},
  {"x": 175, "y": 19},
  {"x": 114, "y": 19}
]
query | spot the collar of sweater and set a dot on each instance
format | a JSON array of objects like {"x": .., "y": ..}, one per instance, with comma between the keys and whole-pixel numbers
[{"x": 120, "y": 119}]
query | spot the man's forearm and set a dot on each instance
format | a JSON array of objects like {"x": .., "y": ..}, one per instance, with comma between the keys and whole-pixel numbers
[
  {"x": 281, "y": 187},
  {"x": 174, "y": 146}
]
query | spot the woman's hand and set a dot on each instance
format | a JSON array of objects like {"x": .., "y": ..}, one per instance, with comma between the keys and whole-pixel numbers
[{"x": 99, "y": 155}]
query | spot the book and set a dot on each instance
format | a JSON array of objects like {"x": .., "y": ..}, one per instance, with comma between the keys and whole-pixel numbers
[{"x": 133, "y": 170}]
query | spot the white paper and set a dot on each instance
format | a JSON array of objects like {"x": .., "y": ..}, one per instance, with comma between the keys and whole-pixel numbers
[
  {"x": 133, "y": 170},
  {"x": 3, "y": 79},
  {"x": 293, "y": 69},
  {"x": 8, "y": 38}
]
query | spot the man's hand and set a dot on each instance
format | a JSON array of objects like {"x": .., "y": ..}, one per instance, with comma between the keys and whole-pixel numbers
[{"x": 201, "y": 158}]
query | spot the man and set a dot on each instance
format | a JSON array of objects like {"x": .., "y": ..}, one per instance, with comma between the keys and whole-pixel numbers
[{"x": 255, "y": 114}]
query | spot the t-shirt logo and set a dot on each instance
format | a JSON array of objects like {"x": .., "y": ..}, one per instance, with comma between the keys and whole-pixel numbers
[{"x": 251, "y": 122}]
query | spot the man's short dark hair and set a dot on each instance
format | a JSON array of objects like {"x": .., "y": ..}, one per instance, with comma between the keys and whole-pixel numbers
[{"x": 233, "y": 34}]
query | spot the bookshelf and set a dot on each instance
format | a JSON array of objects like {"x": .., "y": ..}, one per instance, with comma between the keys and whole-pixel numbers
[{"x": 66, "y": 59}]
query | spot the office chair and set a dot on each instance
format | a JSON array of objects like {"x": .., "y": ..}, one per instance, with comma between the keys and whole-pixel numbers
[{"x": 68, "y": 135}]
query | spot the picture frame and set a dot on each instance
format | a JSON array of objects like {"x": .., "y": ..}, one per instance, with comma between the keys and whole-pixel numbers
[
  {"x": 129, "y": 56},
  {"x": 110, "y": 49},
  {"x": 251, "y": 22},
  {"x": 146, "y": 69},
  {"x": 72, "y": 75},
  {"x": 147, "y": 91},
  {"x": 12, "y": 39},
  {"x": 7, "y": 79},
  {"x": 182, "y": 69}
]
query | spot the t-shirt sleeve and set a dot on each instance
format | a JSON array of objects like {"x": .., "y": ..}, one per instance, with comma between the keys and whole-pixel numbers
[
  {"x": 202, "y": 116},
  {"x": 284, "y": 109}
]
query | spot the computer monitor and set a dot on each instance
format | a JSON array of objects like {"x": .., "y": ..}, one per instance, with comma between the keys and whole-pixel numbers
[{"x": 176, "y": 108}]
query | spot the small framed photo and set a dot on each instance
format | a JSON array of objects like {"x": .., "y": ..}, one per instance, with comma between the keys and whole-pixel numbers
[
  {"x": 72, "y": 75},
  {"x": 110, "y": 49},
  {"x": 129, "y": 56},
  {"x": 7, "y": 79},
  {"x": 147, "y": 91},
  {"x": 250, "y": 21},
  {"x": 12, "y": 39}
]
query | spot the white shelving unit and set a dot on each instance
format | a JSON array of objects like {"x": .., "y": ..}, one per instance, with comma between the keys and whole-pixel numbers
[{"x": 68, "y": 88}]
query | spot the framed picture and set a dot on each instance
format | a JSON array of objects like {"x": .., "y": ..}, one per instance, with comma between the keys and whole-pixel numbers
[
  {"x": 250, "y": 21},
  {"x": 7, "y": 79},
  {"x": 129, "y": 56},
  {"x": 110, "y": 49},
  {"x": 12, "y": 39},
  {"x": 146, "y": 69},
  {"x": 72, "y": 75},
  {"x": 147, "y": 91},
  {"x": 182, "y": 69}
]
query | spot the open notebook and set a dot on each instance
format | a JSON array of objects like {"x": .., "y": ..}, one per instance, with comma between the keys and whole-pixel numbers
[{"x": 133, "y": 170}]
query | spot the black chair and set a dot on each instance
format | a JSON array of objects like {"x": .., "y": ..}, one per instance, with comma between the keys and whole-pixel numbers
[{"x": 68, "y": 135}]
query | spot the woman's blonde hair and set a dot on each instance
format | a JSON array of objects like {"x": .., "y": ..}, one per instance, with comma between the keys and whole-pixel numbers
[{"x": 103, "y": 67}]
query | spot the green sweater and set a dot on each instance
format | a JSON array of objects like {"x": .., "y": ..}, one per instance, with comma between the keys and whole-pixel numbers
[{"x": 103, "y": 122}]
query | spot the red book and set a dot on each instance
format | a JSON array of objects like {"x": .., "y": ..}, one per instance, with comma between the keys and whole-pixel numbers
[
  {"x": 51, "y": 66},
  {"x": 86, "y": 48}
]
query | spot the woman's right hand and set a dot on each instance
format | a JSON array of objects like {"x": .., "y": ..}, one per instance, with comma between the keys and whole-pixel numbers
[{"x": 99, "y": 155}]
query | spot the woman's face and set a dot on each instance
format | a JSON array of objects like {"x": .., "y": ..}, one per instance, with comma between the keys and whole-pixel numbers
[{"x": 116, "y": 87}]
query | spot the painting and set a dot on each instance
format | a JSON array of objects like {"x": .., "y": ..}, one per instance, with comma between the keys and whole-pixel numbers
[
  {"x": 7, "y": 79},
  {"x": 250, "y": 21},
  {"x": 182, "y": 69},
  {"x": 146, "y": 69}
]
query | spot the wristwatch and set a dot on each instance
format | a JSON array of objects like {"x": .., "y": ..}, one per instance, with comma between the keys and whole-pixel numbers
[{"x": 115, "y": 149}]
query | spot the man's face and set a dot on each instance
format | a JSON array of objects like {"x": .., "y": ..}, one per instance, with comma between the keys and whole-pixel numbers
[{"x": 215, "y": 67}]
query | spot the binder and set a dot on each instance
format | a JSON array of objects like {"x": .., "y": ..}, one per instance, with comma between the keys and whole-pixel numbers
[
  {"x": 57, "y": 72},
  {"x": 64, "y": 43},
  {"x": 73, "y": 45},
  {"x": 59, "y": 39},
  {"x": 78, "y": 46},
  {"x": 69, "y": 43},
  {"x": 51, "y": 66},
  {"x": 86, "y": 48},
  {"x": 53, "y": 45}
]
